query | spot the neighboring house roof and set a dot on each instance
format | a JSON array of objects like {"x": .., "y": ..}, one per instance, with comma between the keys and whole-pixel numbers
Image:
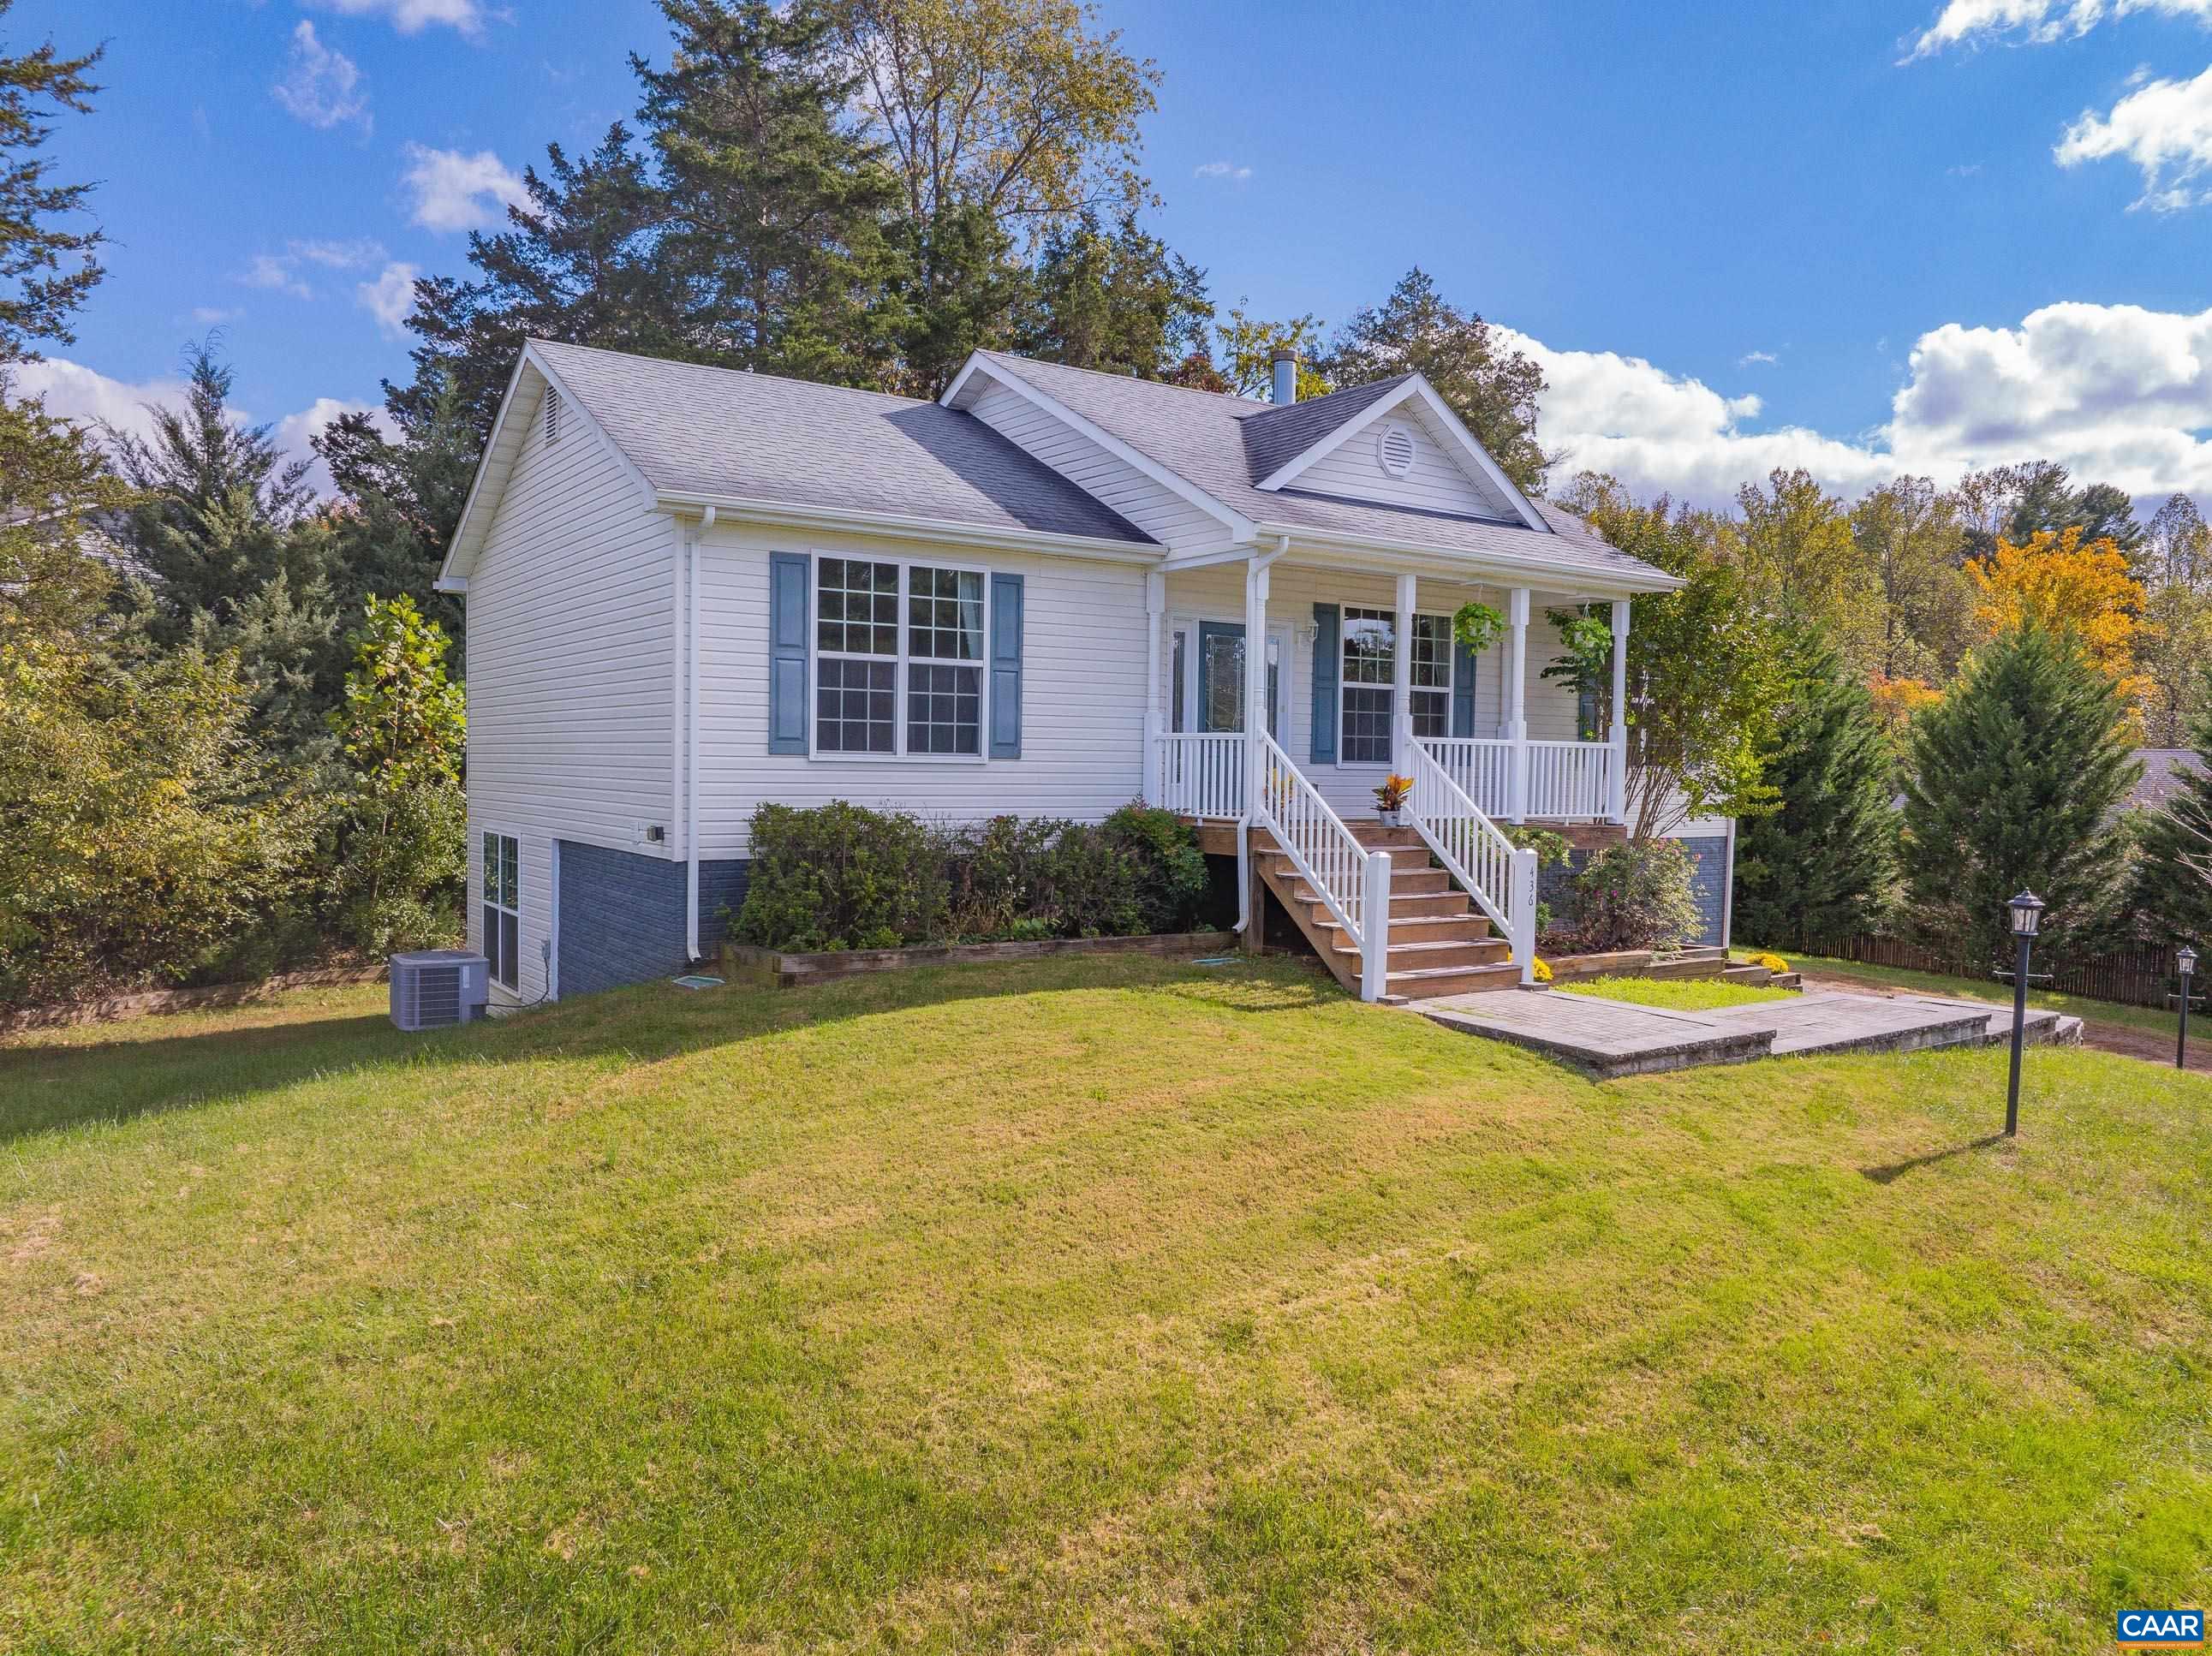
[
  {"x": 2163, "y": 774},
  {"x": 721, "y": 431},
  {"x": 692, "y": 436}
]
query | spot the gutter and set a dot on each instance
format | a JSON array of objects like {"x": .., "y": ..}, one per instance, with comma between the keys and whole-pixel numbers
[
  {"x": 683, "y": 502},
  {"x": 1395, "y": 555}
]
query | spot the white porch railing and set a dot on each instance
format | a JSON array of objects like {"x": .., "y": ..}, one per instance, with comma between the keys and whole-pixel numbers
[
  {"x": 1500, "y": 877},
  {"x": 1202, "y": 775},
  {"x": 1569, "y": 779},
  {"x": 1352, "y": 882},
  {"x": 1564, "y": 778}
]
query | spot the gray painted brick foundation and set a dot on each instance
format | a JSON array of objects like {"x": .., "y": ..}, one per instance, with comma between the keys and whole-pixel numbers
[
  {"x": 622, "y": 915},
  {"x": 1708, "y": 885}
]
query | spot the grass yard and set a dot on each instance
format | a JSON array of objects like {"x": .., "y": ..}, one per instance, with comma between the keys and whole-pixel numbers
[
  {"x": 1677, "y": 994},
  {"x": 1088, "y": 1305}
]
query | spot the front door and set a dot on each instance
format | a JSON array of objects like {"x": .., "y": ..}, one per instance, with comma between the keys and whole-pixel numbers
[{"x": 1218, "y": 676}]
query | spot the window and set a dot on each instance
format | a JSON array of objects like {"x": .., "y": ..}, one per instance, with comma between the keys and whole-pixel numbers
[
  {"x": 502, "y": 921},
  {"x": 1371, "y": 649},
  {"x": 1371, "y": 665},
  {"x": 1432, "y": 676},
  {"x": 899, "y": 666}
]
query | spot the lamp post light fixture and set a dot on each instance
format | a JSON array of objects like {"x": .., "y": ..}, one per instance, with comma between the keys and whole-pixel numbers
[
  {"x": 2186, "y": 960},
  {"x": 2027, "y": 920}
]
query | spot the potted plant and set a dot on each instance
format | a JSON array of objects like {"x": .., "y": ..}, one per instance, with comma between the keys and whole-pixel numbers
[{"x": 1390, "y": 800}]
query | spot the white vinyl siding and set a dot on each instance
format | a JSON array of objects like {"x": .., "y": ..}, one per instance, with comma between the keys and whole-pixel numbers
[
  {"x": 571, "y": 623},
  {"x": 1158, "y": 511},
  {"x": 1082, "y": 693},
  {"x": 1438, "y": 481}
]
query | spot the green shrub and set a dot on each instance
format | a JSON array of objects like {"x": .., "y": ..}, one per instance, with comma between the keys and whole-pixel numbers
[
  {"x": 1635, "y": 896},
  {"x": 838, "y": 877}
]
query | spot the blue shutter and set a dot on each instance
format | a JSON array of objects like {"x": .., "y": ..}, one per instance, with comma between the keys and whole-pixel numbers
[
  {"x": 790, "y": 590},
  {"x": 1329, "y": 624},
  {"x": 1005, "y": 666},
  {"x": 1463, "y": 689}
]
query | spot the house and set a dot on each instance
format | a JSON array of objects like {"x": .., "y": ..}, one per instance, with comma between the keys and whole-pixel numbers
[{"x": 692, "y": 590}]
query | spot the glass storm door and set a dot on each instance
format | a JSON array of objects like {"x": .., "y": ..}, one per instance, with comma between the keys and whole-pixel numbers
[{"x": 1221, "y": 678}]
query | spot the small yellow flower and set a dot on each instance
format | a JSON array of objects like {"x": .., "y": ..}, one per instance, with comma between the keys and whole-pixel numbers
[
  {"x": 1542, "y": 970},
  {"x": 1773, "y": 963}
]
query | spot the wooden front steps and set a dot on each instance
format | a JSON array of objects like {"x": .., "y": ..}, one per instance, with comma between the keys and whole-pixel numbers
[{"x": 1440, "y": 943}]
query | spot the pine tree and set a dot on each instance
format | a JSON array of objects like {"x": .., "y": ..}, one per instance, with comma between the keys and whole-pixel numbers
[
  {"x": 2172, "y": 896},
  {"x": 2014, "y": 779},
  {"x": 49, "y": 258},
  {"x": 1819, "y": 868},
  {"x": 778, "y": 205},
  {"x": 1120, "y": 301},
  {"x": 225, "y": 554}
]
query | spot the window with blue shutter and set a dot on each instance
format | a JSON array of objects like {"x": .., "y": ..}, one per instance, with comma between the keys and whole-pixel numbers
[
  {"x": 1329, "y": 623},
  {"x": 1005, "y": 666}
]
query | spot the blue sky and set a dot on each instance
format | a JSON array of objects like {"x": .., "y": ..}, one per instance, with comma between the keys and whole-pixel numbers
[{"x": 1863, "y": 235}]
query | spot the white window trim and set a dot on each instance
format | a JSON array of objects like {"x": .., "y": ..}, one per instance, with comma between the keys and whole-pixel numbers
[
  {"x": 1344, "y": 684},
  {"x": 484, "y": 902},
  {"x": 901, "y": 662}
]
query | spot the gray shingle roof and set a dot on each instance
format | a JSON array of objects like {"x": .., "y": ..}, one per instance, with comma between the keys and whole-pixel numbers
[
  {"x": 717, "y": 431},
  {"x": 1276, "y": 435},
  {"x": 1199, "y": 436}
]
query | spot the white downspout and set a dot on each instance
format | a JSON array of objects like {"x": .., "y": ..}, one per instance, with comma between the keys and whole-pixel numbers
[{"x": 691, "y": 736}]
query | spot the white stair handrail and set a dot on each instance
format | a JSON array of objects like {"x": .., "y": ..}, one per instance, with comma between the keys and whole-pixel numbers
[
  {"x": 1497, "y": 874},
  {"x": 1324, "y": 851}
]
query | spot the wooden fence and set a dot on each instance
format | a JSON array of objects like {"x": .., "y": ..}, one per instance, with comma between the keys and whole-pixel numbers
[{"x": 2135, "y": 977}]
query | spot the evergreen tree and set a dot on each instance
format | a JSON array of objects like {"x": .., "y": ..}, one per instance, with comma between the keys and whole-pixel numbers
[
  {"x": 1492, "y": 388},
  {"x": 2172, "y": 896},
  {"x": 1119, "y": 301},
  {"x": 1818, "y": 869},
  {"x": 225, "y": 554},
  {"x": 48, "y": 258},
  {"x": 2013, "y": 780},
  {"x": 587, "y": 262},
  {"x": 777, "y": 204}
]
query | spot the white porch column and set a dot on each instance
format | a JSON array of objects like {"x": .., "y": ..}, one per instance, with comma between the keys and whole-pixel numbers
[
  {"x": 1517, "y": 700},
  {"x": 1401, "y": 683},
  {"x": 1155, "y": 760},
  {"x": 1255, "y": 725},
  {"x": 1617, "y": 737}
]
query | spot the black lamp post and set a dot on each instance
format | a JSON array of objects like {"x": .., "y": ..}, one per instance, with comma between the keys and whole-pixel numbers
[
  {"x": 2026, "y": 918},
  {"x": 2186, "y": 960}
]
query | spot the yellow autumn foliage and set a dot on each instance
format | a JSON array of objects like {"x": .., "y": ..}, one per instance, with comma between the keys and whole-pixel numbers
[{"x": 2058, "y": 582}]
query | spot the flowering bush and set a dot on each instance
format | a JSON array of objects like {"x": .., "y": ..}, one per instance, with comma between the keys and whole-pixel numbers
[
  {"x": 1773, "y": 963},
  {"x": 1540, "y": 969}
]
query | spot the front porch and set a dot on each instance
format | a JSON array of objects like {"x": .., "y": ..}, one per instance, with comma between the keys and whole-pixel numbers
[{"x": 1273, "y": 712}]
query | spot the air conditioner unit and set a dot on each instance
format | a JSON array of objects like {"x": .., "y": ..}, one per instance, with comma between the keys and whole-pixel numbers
[{"x": 432, "y": 987}]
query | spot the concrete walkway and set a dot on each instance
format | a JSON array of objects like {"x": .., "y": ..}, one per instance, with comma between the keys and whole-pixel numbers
[{"x": 1612, "y": 1038}]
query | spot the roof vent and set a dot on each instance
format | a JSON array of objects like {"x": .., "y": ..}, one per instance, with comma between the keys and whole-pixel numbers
[
  {"x": 1284, "y": 363},
  {"x": 1394, "y": 449},
  {"x": 552, "y": 418}
]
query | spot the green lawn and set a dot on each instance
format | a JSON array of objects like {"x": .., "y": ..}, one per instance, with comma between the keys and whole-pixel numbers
[
  {"x": 1932, "y": 983},
  {"x": 1090, "y": 1305},
  {"x": 1677, "y": 994}
]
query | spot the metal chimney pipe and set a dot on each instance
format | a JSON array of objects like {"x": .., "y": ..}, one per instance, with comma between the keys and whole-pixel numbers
[{"x": 1286, "y": 375}]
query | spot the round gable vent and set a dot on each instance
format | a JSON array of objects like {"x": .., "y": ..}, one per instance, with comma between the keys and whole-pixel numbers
[{"x": 1394, "y": 449}]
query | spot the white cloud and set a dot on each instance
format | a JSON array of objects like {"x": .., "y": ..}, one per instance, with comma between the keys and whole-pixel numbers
[
  {"x": 277, "y": 275},
  {"x": 454, "y": 191},
  {"x": 412, "y": 17},
  {"x": 2039, "y": 21},
  {"x": 354, "y": 255},
  {"x": 73, "y": 391},
  {"x": 390, "y": 298},
  {"x": 321, "y": 85},
  {"x": 1229, "y": 170},
  {"x": 209, "y": 316},
  {"x": 1752, "y": 358},
  {"x": 2164, "y": 127},
  {"x": 2118, "y": 393}
]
